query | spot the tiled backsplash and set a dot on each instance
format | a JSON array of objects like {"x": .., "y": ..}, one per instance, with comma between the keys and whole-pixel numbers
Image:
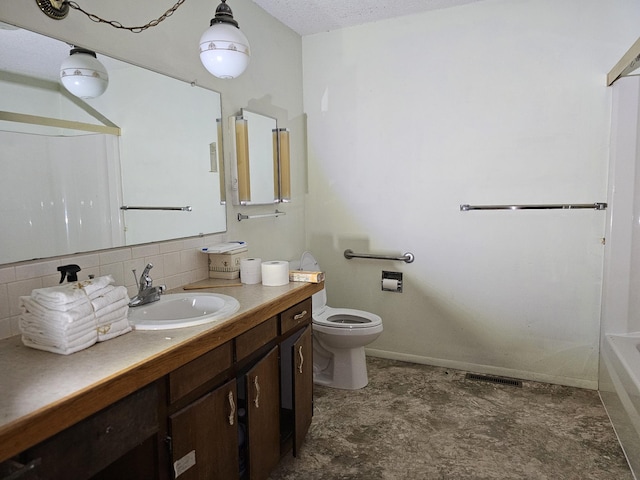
[{"x": 175, "y": 263}]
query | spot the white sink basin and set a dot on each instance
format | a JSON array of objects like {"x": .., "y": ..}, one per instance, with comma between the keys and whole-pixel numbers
[{"x": 180, "y": 310}]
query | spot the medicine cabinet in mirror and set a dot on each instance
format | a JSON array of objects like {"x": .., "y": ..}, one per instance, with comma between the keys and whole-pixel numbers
[
  {"x": 261, "y": 170},
  {"x": 140, "y": 163}
]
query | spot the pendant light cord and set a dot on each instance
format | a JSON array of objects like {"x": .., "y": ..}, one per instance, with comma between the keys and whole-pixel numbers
[{"x": 117, "y": 24}]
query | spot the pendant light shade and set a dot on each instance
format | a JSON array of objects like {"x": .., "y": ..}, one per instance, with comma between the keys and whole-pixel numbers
[
  {"x": 82, "y": 74},
  {"x": 224, "y": 49}
]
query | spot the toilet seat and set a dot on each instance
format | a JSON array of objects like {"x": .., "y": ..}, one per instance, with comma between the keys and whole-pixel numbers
[
  {"x": 336, "y": 319},
  {"x": 345, "y": 318}
]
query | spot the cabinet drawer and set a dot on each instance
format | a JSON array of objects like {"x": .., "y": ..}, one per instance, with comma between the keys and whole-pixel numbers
[
  {"x": 257, "y": 337},
  {"x": 187, "y": 378},
  {"x": 11, "y": 470},
  {"x": 296, "y": 315},
  {"x": 84, "y": 449}
]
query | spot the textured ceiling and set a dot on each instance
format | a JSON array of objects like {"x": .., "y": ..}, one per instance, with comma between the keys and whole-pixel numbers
[
  {"x": 30, "y": 54},
  {"x": 307, "y": 17}
]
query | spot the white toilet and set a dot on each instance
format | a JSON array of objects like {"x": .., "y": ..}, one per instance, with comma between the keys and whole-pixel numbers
[{"x": 339, "y": 338}]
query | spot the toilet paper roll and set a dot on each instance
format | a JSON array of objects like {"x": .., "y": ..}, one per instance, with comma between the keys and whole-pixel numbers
[
  {"x": 251, "y": 271},
  {"x": 275, "y": 273},
  {"x": 389, "y": 284}
]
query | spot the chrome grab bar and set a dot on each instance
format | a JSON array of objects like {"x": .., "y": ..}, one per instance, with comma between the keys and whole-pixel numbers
[
  {"x": 181, "y": 209},
  {"x": 407, "y": 257},
  {"x": 551, "y": 206}
]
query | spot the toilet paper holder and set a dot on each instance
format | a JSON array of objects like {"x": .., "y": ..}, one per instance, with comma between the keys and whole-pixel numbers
[{"x": 391, "y": 281}]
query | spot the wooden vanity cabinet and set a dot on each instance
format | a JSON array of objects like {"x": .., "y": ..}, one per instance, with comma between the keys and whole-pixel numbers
[{"x": 229, "y": 414}]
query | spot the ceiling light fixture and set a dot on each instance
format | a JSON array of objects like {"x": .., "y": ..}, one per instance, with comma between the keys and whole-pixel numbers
[
  {"x": 82, "y": 74},
  {"x": 224, "y": 49}
]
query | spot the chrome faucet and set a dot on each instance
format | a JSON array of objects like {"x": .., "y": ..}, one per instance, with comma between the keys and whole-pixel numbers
[{"x": 147, "y": 293}]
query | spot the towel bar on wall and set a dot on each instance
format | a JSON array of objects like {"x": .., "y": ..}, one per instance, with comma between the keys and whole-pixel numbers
[
  {"x": 550, "y": 206},
  {"x": 277, "y": 213},
  {"x": 180, "y": 209},
  {"x": 407, "y": 257}
]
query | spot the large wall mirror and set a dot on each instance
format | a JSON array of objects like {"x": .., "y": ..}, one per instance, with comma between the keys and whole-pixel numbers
[{"x": 150, "y": 170}]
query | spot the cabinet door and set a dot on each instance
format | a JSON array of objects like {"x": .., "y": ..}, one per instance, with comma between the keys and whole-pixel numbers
[
  {"x": 205, "y": 437},
  {"x": 262, "y": 384},
  {"x": 302, "y": 387}
]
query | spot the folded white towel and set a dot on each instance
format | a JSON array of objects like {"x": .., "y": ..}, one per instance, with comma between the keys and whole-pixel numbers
[
  {"x": 31, "y": 323},
  {"x": 112, "y": 316},
  {"x": 120, "y": 304},
  {"x": 46, "y": 335},
  {"x": 71, "y": 317},
  {"x": 29, "y": 305},
  {"x": 49, "y": 346},
  {"x": 102, "y": 291},
  {"x": 63, "y": 307},
  {"x": 107, "y": 331},
  {"x": 69, "y": 293},
  {"x": 109, "y": 296},
  {"x": 111, "y": 323}
]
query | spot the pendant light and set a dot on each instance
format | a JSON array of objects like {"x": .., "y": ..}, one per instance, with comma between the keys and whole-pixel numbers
[
  {"x": 224, "y": 49},
  {"x": 82, "y": 74}
]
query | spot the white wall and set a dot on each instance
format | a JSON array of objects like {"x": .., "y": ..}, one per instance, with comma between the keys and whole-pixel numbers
[
  {"x": 271, "y": 85},
  {"x": 498, "y": 102}
]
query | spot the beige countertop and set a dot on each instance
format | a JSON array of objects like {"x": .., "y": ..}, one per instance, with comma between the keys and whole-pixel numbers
[{"x": 43, "y": 393}]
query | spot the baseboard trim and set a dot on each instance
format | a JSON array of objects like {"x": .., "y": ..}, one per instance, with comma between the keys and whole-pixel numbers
[{"x": 485, "y": 369}]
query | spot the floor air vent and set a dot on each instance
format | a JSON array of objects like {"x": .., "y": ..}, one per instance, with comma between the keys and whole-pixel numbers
[{"x": 491, "y": 379}]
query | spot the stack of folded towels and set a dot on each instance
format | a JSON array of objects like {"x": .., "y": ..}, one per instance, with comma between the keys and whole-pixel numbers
[{"x": 71, "y": 317}]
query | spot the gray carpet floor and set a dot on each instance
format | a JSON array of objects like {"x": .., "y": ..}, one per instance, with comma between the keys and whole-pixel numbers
[{"x": 421, "y": 422}]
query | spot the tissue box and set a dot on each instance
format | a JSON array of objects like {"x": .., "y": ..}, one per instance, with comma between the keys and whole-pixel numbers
[
  {"x": 303, "y": 276},
  {"x": 226, "y": 265}
]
